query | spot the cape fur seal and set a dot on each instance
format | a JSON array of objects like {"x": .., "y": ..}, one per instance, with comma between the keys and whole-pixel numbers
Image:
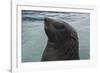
[{"x": 62, "y": 41}]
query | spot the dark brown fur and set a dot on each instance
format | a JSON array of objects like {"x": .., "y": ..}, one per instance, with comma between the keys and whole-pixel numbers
[{"x": 62, "y": 41}]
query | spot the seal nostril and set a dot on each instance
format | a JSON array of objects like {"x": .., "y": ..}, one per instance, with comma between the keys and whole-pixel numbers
[{"x": 47, "y": 21}]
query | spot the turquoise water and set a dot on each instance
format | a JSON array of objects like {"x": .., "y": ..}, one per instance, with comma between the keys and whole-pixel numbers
[{"x": 34, "y": 39}]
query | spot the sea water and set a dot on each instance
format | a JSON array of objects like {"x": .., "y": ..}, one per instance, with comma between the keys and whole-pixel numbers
[{"x": 34, "y": 39}]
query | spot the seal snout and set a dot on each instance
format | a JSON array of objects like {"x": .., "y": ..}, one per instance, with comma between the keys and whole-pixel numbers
[
  {"x": 47, "y": 19},
  {"x": 47, "y": 22}
]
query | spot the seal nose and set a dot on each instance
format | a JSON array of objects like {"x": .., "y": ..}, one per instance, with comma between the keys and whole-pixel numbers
[{"x": 47, "y": 21}]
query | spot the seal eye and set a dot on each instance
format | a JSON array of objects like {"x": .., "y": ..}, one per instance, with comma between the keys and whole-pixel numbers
[
  {"x": 62, "y": 26},
  {"x": 59, "y": 26}
]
